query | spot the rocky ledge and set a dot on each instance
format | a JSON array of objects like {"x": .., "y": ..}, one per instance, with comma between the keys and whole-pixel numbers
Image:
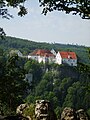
[{"x": 44, "y": 111}]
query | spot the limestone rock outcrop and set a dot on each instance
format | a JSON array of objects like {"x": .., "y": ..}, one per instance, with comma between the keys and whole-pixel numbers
[
  {"x": 19, "y": 112},
  {"x": 70, "y": 114},
  {"x": 81, "y": 115},
  {"x": 44, "y": 111},
  {"x": 21, "y": 108}
]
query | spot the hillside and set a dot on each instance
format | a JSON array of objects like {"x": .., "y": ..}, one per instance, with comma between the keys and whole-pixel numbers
[
  {"x": 26, "y": 46},
  {"x": 60, "y": 84}
]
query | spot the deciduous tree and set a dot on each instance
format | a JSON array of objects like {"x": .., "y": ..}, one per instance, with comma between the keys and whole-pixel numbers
[
  {"x": 82, "y": 7},
  {"x": 12, "y": 84}
]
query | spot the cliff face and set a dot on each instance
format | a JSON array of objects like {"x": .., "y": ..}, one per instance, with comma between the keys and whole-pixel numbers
[{"x": 43, "y": 111}]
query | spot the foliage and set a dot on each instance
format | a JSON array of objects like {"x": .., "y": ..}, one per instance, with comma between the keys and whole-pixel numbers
[
  {"x": 61, "y": 85},
  {"x": 35, "y": 69},
  {"x": 29, "y": 111},
  {"x": 63, "y": 89},
  {"x": 82, "y": 7},
  {"x": 4, "y": 4},
  {"x": 2, "y": 33},
  {"x": 12, "y": 84},
  {"x": 26, "y": 47}
]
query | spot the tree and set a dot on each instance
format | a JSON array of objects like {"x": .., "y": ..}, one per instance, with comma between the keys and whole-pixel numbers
[
  {"x": 4, "y": 4},
  {"x": 33, "y": 67},
  {"x": 82, "y": 7},
  {"x": 71, "y": 97},
  {"x": 2, "y": 33},
  {"x": 12, "y": 84},
  {"x": 77, "y": 6}
]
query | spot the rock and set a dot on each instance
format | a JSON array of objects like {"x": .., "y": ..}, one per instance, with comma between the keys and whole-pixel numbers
[
  {"x": 21, "y": 108},
  {"x": 2, "y": 117},
  {"x": 43, "y": 110},
  {"x": 19, "y": 112},
  {"x": 68, "y": 114},
  {"x": 81, "y": 115},
  {"x": 71, "y": 114}
]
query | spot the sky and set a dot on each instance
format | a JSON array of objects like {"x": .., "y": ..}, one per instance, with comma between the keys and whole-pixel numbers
[{"x": 55, "y": 27}]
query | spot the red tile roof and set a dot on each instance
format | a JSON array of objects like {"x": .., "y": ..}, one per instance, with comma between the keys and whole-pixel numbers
[
  {"x": 68, "y": 55},
  {"x": 42, "y": 52}
]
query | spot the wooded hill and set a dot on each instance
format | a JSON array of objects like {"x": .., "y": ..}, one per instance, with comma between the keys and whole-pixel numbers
[
  {"x": 62, "y": 85},
  {"x": 26, "y": 46}
]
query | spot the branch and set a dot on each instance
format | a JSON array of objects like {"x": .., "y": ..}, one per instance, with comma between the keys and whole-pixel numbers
[{"x": 83, "y": 8}]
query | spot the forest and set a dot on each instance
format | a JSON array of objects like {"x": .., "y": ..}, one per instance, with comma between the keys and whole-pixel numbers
[
  {"x": 62, "y": 85},
  {"x": 27, "y": 46}
]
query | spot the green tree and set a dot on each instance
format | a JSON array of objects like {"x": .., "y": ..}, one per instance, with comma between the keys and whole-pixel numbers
[
  {"x": 82, "y": 7},
  {"x": 32, "y": 66},
  {"x": 30, "y": 111},
  {"x": 71, "y": 97},
  {"x": 2, "y": 33},
  {"x": 41, "y": 88},
  {"x": 12, "y": 84}
]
